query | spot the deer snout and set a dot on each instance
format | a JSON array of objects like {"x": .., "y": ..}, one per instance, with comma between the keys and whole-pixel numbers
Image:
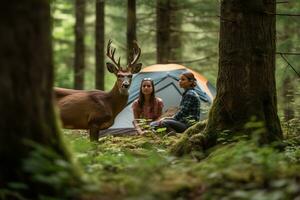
[{"x": 126, "y": 85}]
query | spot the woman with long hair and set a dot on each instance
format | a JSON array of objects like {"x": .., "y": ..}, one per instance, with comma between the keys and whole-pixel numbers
[
  {"x": 189, "y": 108},
  {"x": 147, "y": 107}
]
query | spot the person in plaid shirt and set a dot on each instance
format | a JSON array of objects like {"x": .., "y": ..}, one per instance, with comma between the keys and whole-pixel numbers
[{"x": 189, "y": 108}]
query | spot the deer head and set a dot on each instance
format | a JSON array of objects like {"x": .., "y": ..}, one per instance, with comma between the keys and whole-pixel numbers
[{"x": 124, "y": 75}]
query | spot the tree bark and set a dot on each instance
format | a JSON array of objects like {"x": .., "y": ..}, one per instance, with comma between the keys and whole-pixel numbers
[
  {"x": 168, "y": 34},
  {"x": 288, "y": 86},
  {"x": 246, "y": 78},
  {"x": 26, "y": 80},
  {"x": 288, "y": 98},
  {"x": 100, "y": 45},
  {"x": 162, "y": 31},
  {"x": 131, "y": 28},
  {"x": 175, "y": 51},
  {"x": 79, "y": 64}
]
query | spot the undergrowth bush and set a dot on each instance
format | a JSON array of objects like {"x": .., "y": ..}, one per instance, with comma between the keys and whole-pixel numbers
[{"x": 141, "y": 167}]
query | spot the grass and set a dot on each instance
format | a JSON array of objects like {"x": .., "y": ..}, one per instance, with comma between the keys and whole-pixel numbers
[{"x": 141, "y": 167}]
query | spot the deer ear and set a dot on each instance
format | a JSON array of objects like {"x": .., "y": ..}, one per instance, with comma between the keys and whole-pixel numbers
[
  {"x": 111, "y": 68},
  {"x": 135, "y": 68}
]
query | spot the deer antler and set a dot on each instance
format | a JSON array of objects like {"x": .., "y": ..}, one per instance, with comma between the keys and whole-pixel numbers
[
  {"x": 110, "y": 52},
  {"x": 136, "y": 53}
]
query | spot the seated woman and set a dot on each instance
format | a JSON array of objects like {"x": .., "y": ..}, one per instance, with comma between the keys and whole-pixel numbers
[
  {"x": 189, "y": 108},
  {"x": 147, "y": 106}
]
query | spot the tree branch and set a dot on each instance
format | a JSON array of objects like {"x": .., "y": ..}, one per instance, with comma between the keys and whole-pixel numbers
[
  {"x": 226, "y": 20},
  {"x": 288, "y": 53},
  {"x": 282, "y": 2},
  {"x": 283, "y": 14},
  {"x": 191, "y": 61},
  {"x": 284, "y": 58}
]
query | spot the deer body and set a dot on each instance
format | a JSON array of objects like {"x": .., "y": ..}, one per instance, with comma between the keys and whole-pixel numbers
[
  {"x": 96, "y": 110},
  {"x": 80, "y": 109}
]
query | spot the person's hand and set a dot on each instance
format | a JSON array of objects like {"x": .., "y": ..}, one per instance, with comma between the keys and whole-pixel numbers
[{"x": 165, "y": 118}]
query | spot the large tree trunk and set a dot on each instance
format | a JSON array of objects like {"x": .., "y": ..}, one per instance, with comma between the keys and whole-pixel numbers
[
  {"x": 131, "y": 28},
  {"x": 99, "y": 46},
  {"x": 28, "y": 123},
  {"x": 79, "y": 64},
  {"x": 246, "y": 77}
]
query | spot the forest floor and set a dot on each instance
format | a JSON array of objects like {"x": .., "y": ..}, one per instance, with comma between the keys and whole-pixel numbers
[{"x": 141, "y": 167}]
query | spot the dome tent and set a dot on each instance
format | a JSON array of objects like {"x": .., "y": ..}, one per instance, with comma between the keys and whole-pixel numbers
[{"x": 165, "y": 77}]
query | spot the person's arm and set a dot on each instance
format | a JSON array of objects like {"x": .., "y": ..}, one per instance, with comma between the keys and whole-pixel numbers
[
  {"x": 160, "y": 106},
  {"x": 136, "y": 110},
  {"x": 137, "y": 127},
  {"x": 184, "y": 108}
]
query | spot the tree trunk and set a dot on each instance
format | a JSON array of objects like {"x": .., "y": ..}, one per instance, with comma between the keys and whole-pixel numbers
[
  {"x": 79, "y": 64},
  {"x": 163, "y": 30},
  {"x": 288, "y": 87},
  {"x": 28, "y": 124},
  {"x": 288, "y": 98},
  {"x": 175, "y": 51},
  {"x": 131, "y": 28},
  {"x": 100, "y": 44},
  {"x": 246, "y": 77},
  {"x": 168, "y": 25}
]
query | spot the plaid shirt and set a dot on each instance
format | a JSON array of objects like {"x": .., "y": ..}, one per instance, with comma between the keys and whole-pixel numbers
[{"x": 189, "y": 109}]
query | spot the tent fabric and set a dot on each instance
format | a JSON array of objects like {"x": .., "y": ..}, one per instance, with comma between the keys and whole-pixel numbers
[{"x": 165, "y": 79}]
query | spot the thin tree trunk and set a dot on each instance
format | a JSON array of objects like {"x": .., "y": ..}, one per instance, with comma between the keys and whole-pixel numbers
[
  {"x": 163, "y": 30},
  {"x": 288, "y": 97},
  {"x": 79, "y": 64},
  {"x": 131, "y": 28},
  {"x": 287, "y": 87},
  {"x": 100, "y": 44},
  {"x": 175, "y": 46},
  {"x": 246, "y": 79},
  {"x": 26, "y": 80}
]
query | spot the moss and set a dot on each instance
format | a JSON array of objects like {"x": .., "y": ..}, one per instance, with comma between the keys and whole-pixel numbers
[
  {"x": 193, "y": 139},
  {"x": 197, "y": 138},
  {"x": 182, "y": 147},
  {"x": 140, "y": 167}
]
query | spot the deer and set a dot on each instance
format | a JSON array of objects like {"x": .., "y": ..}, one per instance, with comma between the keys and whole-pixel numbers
[{"x": 95, "y": 110}]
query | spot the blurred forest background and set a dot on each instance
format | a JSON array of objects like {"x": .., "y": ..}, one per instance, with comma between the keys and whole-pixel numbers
[
  {"x": 41, "y": 161},
  {"x": 193, "y": 32}
]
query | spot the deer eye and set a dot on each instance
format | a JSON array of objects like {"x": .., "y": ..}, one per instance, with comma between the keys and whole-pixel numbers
[
  {"x": 130, "y": 76},
  {"x": 120, "y": 76}
]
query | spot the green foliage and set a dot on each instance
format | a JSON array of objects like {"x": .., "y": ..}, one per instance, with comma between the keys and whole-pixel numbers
[
  {"x": 249, "y": 172},
  {"x": 46, "y": 167},
  {"x": 140, "y": 167},
  {"x": 124, "y": 164},
  {"x": 54, "y": 176}
]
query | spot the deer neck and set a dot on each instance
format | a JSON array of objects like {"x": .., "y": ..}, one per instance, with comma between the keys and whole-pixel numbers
[{"x": 117, "y": 100}]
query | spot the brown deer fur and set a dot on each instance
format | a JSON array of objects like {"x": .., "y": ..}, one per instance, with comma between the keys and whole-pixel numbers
[{"x": 96, "y": 110}]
